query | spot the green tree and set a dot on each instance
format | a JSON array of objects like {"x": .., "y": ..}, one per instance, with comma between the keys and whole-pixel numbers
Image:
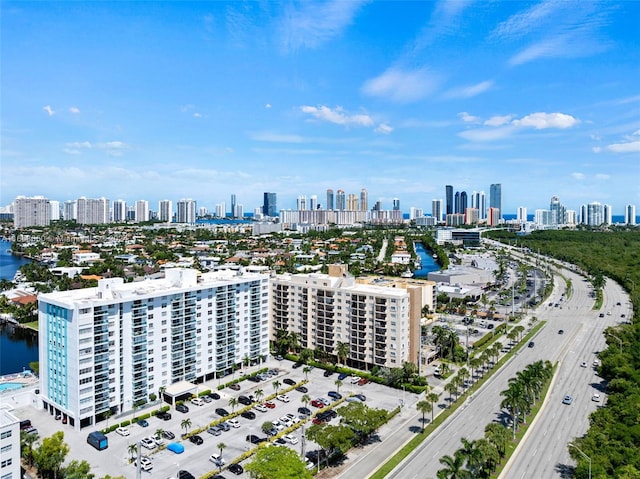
[
  {"x": 266, "y": 426},
  {"x": 186, "y": 425},
  {"x": 499, "y": 436},
  {"x": 433, "y": 399},
  {"x": 362, "y": 419},
  {"x": 259, "y": 394},
  {"x": 342, "y": 352},
  {"x": 424, "y": 407},
  {"x": 133, "y": 450},
  {"x": 233, "y": 402},
  {"x": 306, "y": 370},
  {"x": 453, "y": 467},
  {"x": 276, "y": 385},
  {"x": 50, "y": 455},
  {"x": 221, "y": 447},
  {"x": 26, "y": 446},
  {"x": 277, "y": 463},
  {"x": 338, "y": 384},
  {"x": 78, "y": 470}
]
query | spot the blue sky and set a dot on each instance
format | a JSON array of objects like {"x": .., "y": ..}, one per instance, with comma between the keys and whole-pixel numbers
[{"x": 154, "y": 100}]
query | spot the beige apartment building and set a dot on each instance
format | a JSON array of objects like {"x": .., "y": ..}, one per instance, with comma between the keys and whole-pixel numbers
[{"x": 378, "y": 318}]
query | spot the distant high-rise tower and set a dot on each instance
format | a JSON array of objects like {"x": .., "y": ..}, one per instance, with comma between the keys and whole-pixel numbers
[
  {"x": 478, "y": 201},
  {"x": 495, "y": 197},
  {"x": 449, "y": 199},
  {"x": 93, "y": 211},
  {"x": 630, "y": 214},
  {"x": 436, "y": 209},
  {"x": 233, "y": 205},
  {"x": 186, "y": 211},
  {"x": 269, "y": 206},
  {"x": 55, "y": 210},
  {"x": 165, "y": 207},
  {"x": 396, "y": 204},
  {"x": 33, "y": 211},
  {"x": 119, "y": 211},
  {"x": 70, "y": 210},
  {"x": 460, "y": 202},
  {"x": 313, "y": 202},
  {"x": 329, "y": 199},
  {"x": 340, "y": 200},
  {"x": 364, "y": 199},
  {"x": 558, "y": 211},
  {"x": 142, "y": 211},
  {"x": 522, "y": 214},
  {"x": 352, "y": 202},
  {"x": 301, "y": 203}
]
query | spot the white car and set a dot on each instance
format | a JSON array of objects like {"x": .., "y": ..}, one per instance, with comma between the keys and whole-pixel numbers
[
  {"x": 217, "y": 459},
  {"x": 595, "y": 397},
  {"x": 145, "y": 464},
  {"x": 278, "y": 425},
  {"x": 294, "y": 419},
  {"x": 286, "y": 421},
  {"x": 157, "y": 439},
  {"x": 148, "y": 443},
  {"x": 197, "y": 401},
  {"x": 355, "y": 379},
  {"x": 291, "y": 439},
  {"x": 283, "y": 398},
  {"x": 260, "y": 407},
  {"x": 233, "y": 422},
  {"x": 123, "y": 431}
]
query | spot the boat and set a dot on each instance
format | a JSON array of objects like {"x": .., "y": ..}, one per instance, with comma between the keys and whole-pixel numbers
[{"x": 407, "y": 274}]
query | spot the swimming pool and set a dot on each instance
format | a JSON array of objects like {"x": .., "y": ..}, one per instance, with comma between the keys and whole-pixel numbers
[{"x": 10, "y": 386}]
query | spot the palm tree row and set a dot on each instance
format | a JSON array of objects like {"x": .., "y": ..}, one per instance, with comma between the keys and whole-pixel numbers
[{"x": 524, "y": 390}]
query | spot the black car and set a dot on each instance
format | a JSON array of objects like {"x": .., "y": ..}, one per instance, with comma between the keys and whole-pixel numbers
[
  {"x": 296, "y": 365},
  {"x": 531, "y": 344},
  {"x": 222, "y": 412},
  {"x": 182, "y": 408},
  {"x": 185, "y": 475},
  {"x": 304, "y": 411},
  {"x": 254, "y": 379},
  {"x": 327, "y": 373},
  {"x": 253, "y": 439},
  {"x": 248, "y": 414},
  {"x": 214, "y": 396},
  {"x": 165, "y": 416},
  {"x": 168, "y": 435},
  {"x": 288, "y": 381},
  {"x": 302, "y": 389},
  {"x": 244, "y": 400},
  {"x": 236, "y": 469},
  {"x": 335, "y": 395},
  {"x": 197, "y": 440},
  {"x": 560, "y": 331},
  {"x": 362, "y": 397}
]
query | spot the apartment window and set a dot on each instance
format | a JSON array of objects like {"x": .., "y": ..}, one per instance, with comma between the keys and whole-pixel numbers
[
  {"x": 6, "y": 462},
  {"x": 5, "y": 434},
  {"x": 5, "y": 449}
]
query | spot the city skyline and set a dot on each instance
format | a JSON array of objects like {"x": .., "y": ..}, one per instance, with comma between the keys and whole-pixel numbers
[{"x": 212, "y": 99}]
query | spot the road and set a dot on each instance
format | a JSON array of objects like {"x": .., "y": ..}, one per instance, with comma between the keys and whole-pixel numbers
[{"x": 582, "y": 338}]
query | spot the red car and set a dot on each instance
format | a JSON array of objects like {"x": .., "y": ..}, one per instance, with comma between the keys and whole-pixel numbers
[
  {"x": 270, "y": 404},
  {"x": 363, "y": 381},
  {"x": 317, "y": 403}
]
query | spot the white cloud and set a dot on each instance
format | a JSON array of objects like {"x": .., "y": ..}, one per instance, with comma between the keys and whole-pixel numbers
[
  {"x": 578, "y": 176},
  {"x": 467, "y": 118},
  {"x": 337, "y": 116},
  {"x": 498, "y": 120},
  {"x": 197, "y": 115},
  {"x": 79, "y": 144},
  {"x": 384, "y": 129},
  {"x": 70, "y": 151},
  {"x": 602, "y": 176},
  {"x": 402, "y": 85},
  {"x": 487, "y": 134},
  {"x": 49, "y": 110},
  {"x": 113, "y": 145},
  {"x": 268, "y": 105},
  {"x": 596, "y": 149},
  {"x": 276, "y": 137},
  {"x": 74, "y": 110},
  {"x": 469, "y": 91},
  {"x": 310, "y": 24},
  {"x": 628, "y": 147},
  {"x": 522, "y": 23},
  {"x": 541, "y": 121}
]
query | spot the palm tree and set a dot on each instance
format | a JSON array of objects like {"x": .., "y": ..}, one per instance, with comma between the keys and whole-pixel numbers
[
  {"x": 489, "y": 457},
  {"x": 233, "y": 402},
  {"x": 342, "y": 351},
  {"x": 451, "y": 388},
  {"x": 499, "y": 436},
  {"x": 132, "y": 449},
  {"x": 424, "y": 407},
  {"x": 306, "y": 370},
  {"x": 338, "y": 383},
  {"x": 221, "y": 446},
  {"x": 276, "y": 385},
  {"x": 472, "y": 455},
  {"x": 474, "y": 364},
  {"x": 294, "y": 341},
  {"x": 186, "y": 425},
  {"x": 107, "y": 414},
  {"x": 432, "y": 398},
  {"x": 452, "y": 467},
  {"x": 159, "y": 432},
  {"x": 513, "y": 398},
  {"x": 306, "y": 399},
  {"x": 259, "y": 394},
  {"x": 462, "y": 374}
]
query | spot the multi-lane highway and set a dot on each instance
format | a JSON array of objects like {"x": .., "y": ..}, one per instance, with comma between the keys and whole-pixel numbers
[{"x": 544, "y": 451}]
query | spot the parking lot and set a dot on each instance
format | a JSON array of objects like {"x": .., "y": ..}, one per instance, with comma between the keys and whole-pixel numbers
[{"x": 195, "y": 458}]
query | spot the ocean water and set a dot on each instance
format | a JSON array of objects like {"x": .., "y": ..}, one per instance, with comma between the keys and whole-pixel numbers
[{"x": 9, "y": 263}]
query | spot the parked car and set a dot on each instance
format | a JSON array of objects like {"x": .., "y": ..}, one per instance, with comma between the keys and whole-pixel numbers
[
  {"x": 123, "y": 431},
  {"x": 185, "y": 475},
  {"x": 182, "y": 408},
  {"x": 260, "y": 407},
  {"x": 235, "y": 387},
  {"x": 168, "y": 435},
  {"x": 207, "y": 398},
  {"x": 362, "y": 397},
  {"x": 355, "y": 379},
  {"x": 195, "y": 439},
  {"x": 248, "y": 414},
  {"x": 253, "y": 439},
  {"x": 283, "y": 398},
  {"x": 217, "y": 459},
  {"x": 270, "y": 404},
  {"x": 145, "y": 464},
  {"x": 296, "y": 365},
  {"x": 293, "y": 418},
  {"x": 234, "y": 422},
  {"x": 159, "y": 440},
  {"x": 277, "y": 425},
  {"x": 244, "y": 400},
  {"x": 567, "y": 399},
  {"x": 291, "y": 439},
  {"x": 304, "y": 411},
  {"x": 278, "y": 357},
  {"x": 175, "y": 447},
  {"x": 214, "y": 430},
  {"x": 197, "y": 401},
  {"x": 280, "y": 442},
  {"x": 317, "y": 403},
  {"x": 325, "y": 401},
  {"x": 236, "y": 469},
  {"x": 342, "y": 376},
  {"x": 335, "y": 395},
  {"x": 222, "y": 412},
  {"x": 254, "y": 379},
  {"x": 288, "y": 381},
  {"x": 148, "y": 443},
  {"x": 363, "y": 381},
  {"x": 214, "y": 395},
  {"x": 143, "y": 423},
  {"x": 286, "y": 421},
  {"x": 165, "y": 416},
  {"x": 327, "y": 373},
  {"x": 225, "y": 426},
  {"x": 302, "y": 389},
  {"x": 272, "y": 372}
]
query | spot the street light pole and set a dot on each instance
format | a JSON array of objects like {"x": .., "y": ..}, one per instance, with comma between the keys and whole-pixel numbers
[{"x": 587, "y": 457}]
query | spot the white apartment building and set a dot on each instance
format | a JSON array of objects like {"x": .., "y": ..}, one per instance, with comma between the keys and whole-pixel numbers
[
  {"x": 381, "y": 324},
  {"x": 165, "y": 208},
  {"x": 119, "y": 211},
  {"x": 186, "y": 211},
  {"x": 142, "y": 211},
  {"x": 9, "y": 445},
  {"x": 92, "y": 211},
  {"x": 111, "y": 347},
  {"x": 31, "y": 211}
]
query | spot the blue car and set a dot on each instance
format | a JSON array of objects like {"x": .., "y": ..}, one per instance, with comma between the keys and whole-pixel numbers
[
  {"x": 342, "y": 376},
  {"x": 175, "y": 447},
  {"x": 143, "y": 423}
]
